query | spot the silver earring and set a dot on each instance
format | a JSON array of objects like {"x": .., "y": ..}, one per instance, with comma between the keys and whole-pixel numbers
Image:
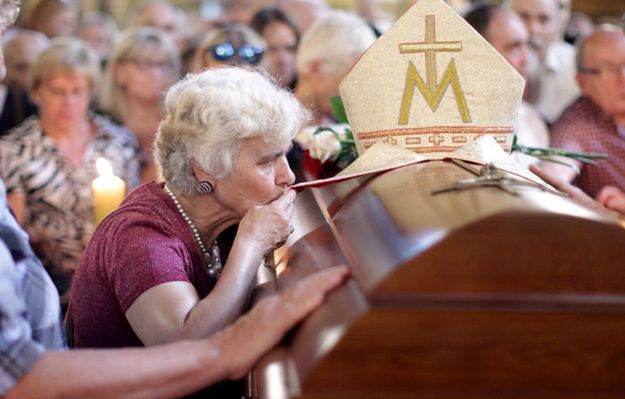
[{"x": 205, "y": 187}]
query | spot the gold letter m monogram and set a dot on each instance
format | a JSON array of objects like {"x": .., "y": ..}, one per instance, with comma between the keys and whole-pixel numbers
[{"x": 432, "y": 91}]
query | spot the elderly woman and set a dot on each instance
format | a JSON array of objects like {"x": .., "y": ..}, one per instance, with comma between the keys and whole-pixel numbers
[
  {"x": 143, "y": 65},
  {"x": 48, "y": 162},
  {"x": 153, "y": 273},
  {"x": 230, "y": 46}
]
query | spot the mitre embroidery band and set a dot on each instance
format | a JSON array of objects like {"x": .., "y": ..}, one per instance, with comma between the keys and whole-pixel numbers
[{"x": 441, "y": 138}]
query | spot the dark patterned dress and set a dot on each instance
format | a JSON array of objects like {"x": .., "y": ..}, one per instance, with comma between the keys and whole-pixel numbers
[{"x": 59, "y": 201}]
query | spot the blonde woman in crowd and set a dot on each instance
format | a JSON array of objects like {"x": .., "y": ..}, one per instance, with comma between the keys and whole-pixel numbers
[
  {"x": 48, "y": 162},
  {"x": 144, "y": 63}
]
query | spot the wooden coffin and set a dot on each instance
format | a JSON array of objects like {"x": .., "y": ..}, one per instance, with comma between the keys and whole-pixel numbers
[{"x": 466, "y": 294}]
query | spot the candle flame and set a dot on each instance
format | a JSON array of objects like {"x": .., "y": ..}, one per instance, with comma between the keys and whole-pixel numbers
[{"x": 103, "y": 167}]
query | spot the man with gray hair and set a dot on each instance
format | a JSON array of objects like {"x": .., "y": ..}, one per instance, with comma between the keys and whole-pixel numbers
[
  {"x": 325, "y": 55},
  {"x": 552, "y": 83},
  {"x": 505, "y": 31},
  {"x": 596, "y": 121}
]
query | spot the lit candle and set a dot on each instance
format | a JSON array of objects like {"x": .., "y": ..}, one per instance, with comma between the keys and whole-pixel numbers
[{"x": 108, "y": 190}]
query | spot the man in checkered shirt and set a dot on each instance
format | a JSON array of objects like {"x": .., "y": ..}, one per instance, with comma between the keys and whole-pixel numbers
[{"x": 596, "y": 121}]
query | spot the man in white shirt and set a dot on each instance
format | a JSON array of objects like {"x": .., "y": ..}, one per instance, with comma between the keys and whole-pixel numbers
[
  {"x": 505, "y": 31},
  {"x": 552, "y": 82}
]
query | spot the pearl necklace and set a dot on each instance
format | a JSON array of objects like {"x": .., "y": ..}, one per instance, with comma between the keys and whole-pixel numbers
[{"x": 212, "y": 260}]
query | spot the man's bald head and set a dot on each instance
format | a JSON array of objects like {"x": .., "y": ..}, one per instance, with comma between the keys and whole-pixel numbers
[
  {"x": 601, "y": 70},
  {"x": 21, "y": 49}
]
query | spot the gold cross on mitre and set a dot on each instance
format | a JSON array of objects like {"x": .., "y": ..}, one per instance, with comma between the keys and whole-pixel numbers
[
  {"x": 431, "y": 90},
  {"x": 433, "y": 93}
]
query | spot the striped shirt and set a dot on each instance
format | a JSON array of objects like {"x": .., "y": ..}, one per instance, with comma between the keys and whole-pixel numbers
[
  {"x": 29, "y": 304},
  {"x": 59, "y": 203}
]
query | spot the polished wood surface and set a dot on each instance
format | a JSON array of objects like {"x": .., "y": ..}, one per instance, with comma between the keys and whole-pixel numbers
[
  {"x": 598, "y": 9},
  {"x": 472, "y": 294}
]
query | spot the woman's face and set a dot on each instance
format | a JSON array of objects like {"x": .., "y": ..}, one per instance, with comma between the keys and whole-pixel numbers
[
  {"x": 281, "y": 48},
  {"x": 261, "y": 175},
  {"x": 145, "y": 76},
  {"x": 63, "y": 98}
]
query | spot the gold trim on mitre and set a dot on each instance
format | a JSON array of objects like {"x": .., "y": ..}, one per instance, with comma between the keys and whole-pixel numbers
[{"x": 431, "y": 84}]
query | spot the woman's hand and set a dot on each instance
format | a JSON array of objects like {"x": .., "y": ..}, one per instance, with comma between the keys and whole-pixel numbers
[{"x": 266, "y": 227}]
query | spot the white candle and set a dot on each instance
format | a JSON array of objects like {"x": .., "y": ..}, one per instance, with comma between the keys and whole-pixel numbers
[{"x": 108, "y": 190}]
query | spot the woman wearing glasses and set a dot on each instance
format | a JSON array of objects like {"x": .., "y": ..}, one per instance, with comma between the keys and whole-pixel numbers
[
  {"x": 48, "y": 162},
  {"x": 143, "y": 64},
  {"x": 231, "y": 46}
]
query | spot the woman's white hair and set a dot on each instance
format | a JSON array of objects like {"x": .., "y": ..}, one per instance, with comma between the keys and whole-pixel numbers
[
  {"x": 336, "y": 40},
  {"x": 207, "y": 116},
  {"x": 131, "y": 44}
]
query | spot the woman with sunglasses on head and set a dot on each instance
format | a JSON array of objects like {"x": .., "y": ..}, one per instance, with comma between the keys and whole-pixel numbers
[
  {"x": 142, "y": 66},
  {"x": 162, "y": 268},
  {"x": 231, "y": 46}
]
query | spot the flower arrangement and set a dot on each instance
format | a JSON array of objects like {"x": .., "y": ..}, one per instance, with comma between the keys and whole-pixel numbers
[{"x": 328, "y": 149}]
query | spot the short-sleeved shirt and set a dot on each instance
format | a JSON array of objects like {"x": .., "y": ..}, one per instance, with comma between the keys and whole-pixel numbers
[
  {"x": 144, "y": 243},
  {"x": 29, "y": 304},
  {"x": 557, "y": 87},
  {"x": 530, "y": 131},
  {"x": 584, "y": 127},
  {"x": 59, "y": 201}
]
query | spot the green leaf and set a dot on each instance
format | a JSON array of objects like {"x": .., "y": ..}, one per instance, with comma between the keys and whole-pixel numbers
[
  {"x": 547, "y": 153},
  {"x": 557, "y": 161},
  {"x": 338, "y": 109}
]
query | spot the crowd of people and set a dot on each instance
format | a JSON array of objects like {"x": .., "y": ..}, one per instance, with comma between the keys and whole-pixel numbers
[
  {"x": 221, "y": 149},
  {"x": 200, "y": 126},
  {"x": 77, "y": 89},
  {"x": 575, "y": 94}
]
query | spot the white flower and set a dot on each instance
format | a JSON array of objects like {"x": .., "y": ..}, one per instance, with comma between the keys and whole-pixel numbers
[{"x": 325, "y": 145}]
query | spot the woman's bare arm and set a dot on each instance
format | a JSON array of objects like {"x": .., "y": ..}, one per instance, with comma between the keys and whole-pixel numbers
[{"x": 177, "y": 369}]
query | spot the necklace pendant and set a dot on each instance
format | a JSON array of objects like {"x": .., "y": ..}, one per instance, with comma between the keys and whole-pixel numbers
[
  {"x": 208, "y": 261},
  {"x": 212, "y": 260},
  {"x": 213, "y": 272}
]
